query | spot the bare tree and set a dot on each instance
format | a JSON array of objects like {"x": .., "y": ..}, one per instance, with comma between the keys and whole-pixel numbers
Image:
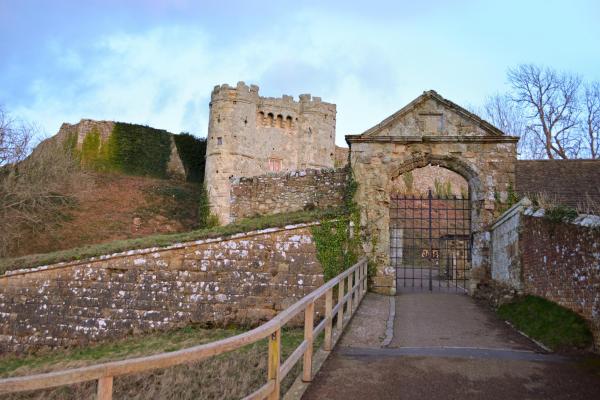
[
  {"x": 549, "y": 100},
  {"x": 591, "y": 118},
  {"x": 506, "y": 115},
  {"x": 15, "y": 139},
  {"x": 35, "y": 188}
]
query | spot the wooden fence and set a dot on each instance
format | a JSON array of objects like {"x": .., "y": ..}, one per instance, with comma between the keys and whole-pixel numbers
[{"x": 356, "y": 280}]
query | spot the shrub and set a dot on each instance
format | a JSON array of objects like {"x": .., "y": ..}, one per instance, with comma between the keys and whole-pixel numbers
[{"x": 560, "y": 213}]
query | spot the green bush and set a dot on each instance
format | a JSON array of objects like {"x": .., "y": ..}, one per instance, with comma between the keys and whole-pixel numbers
[
  {"x": 560, "y": 213},
  {"x": 205, "y": 218},
  {"x": 191, "y": 151},
  {"x": 551, "y": 324}
]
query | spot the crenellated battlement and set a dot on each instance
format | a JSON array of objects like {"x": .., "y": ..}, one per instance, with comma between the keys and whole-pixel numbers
[{"x": 243, "y": 92}]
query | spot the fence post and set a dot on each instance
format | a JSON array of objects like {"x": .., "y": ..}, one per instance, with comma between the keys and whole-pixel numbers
[
  {"x": 357, "y": 288},
  {"x": 274, "y": 362},
  {"x": 105, "y": 386},
  {"x": 308, "y": 336},
  {"x": 366, "y": 276},
  {"x": 329, "y": 319},
  {"x": 360, "y": 283},
  {"x": 340, "y": 313},
  {"x": 349, "y": 309}
]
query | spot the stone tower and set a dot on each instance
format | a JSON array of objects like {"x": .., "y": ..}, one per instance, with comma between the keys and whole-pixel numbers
[{"x": 249, "y": 135}]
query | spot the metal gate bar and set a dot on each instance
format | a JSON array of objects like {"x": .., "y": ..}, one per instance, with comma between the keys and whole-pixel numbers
[{"x": 430, "y": 245}]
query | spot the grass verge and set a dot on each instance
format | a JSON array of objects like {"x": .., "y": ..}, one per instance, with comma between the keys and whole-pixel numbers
[
  {"x": 245, "y": 225},
  {"x": 551, "y": 324},
  {"x": 228, "y": 376}
]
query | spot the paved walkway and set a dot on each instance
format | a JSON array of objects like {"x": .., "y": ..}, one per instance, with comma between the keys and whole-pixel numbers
[{"x": 444, "y": 346}]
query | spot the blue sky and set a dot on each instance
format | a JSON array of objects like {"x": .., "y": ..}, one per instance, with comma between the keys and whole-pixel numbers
[{"x": 155, "y": 62}]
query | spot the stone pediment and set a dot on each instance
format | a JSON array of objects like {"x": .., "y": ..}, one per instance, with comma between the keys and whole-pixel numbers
[{"x": 432, "y": 115}]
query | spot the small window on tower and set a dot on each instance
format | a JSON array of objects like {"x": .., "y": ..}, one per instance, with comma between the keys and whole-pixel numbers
[
  {"x": 274, "y": 164},
  {"x": 219, "y": 140}
]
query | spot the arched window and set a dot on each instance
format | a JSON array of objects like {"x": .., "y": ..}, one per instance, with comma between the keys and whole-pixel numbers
[
  {"x": 260, "y": 118},
  {"x": 270, "y": 119},
  {"x": 288, "y": 122},
  {"x": 279, "y": 121}
]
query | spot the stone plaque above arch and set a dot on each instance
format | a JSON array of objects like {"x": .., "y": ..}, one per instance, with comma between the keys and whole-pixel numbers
[{"x": 431, "y": 130}]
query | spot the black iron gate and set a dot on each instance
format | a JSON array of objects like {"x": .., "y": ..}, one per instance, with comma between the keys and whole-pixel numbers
[{"x": 430, "y": 242}]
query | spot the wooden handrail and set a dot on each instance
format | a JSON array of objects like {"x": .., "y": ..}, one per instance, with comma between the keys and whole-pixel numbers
[{"x": 105, "y": 372}]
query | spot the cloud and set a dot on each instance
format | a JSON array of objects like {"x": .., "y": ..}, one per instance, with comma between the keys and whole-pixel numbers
[
  {"x": 163, "y": 76},
  {"x": 162, "y": 72}
]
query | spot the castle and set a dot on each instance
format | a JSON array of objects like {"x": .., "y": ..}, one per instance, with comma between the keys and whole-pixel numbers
[{"x": 250, "y": 135}]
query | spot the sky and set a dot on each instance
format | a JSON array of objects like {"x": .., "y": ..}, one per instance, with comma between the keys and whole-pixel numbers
[{"x": 155, "y": 62}]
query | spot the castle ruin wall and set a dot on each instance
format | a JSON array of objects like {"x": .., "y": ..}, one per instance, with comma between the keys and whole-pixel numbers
[{"x": 249, "y": 135}]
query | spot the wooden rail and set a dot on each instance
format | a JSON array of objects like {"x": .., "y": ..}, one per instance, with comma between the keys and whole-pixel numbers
[{"x": 354, "y": 279}]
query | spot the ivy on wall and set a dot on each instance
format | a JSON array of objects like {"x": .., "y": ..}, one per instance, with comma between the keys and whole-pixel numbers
[
  {"x": 191, "y": 151},
  {"x": 139, "y": 150},
  {"x": 338, "y": 240},
  {"x": 93, "y": 154},
  {"x": 70, "y": 143}
]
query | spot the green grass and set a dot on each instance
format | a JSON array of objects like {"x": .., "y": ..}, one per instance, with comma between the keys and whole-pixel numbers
[
  {"x": 43, "y": 361},
  {"x": 231, "y": 375},
  {"x": 136, "y": 346},
  {"x": 551, "y": 324},
  {"x": 250, "y": 224}
]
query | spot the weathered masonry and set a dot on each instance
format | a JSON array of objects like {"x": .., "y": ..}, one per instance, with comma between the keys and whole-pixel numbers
[
  {"x": 431, "y": 131},
  {"x": 249, "y": 135},
  {"x": 559, "y": 261},
  {"x": 243, "y": 279},
  {"x": 287, "y": 192}
]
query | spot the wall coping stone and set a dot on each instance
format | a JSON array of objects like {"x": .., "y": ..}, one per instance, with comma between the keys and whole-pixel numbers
[
  {"x": 585, "y": 220},
  {"x": 430, "y": 139},
  {"x": 516, "y": 208},
  {"x": 149, "y": 250}
]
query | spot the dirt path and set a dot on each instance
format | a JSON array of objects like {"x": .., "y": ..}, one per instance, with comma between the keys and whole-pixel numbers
[{"x": 444, "y": 346}]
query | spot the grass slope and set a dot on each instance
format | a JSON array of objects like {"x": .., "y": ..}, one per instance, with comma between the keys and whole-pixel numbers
[
  {"x": 106, "y": 211},
  {"x": 228, "y": 376},
  {"x": 551, "y": 324},
  {"x": 269, "y": 221}
]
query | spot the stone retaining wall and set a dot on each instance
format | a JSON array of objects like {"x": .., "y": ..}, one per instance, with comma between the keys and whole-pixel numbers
[
  {"x": 243, "y": 279},
  {"x": 287, "y": 192}
]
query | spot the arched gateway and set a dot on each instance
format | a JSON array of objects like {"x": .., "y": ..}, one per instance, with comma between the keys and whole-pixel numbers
[{"x": 431, "y": 131}]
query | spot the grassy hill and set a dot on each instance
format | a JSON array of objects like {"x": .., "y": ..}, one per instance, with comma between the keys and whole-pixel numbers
[
  {"x": 101, "y": 181},
  {"x": 117, "y": 207}
]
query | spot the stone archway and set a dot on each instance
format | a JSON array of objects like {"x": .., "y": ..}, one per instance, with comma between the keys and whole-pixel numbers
[
  {"x": 430, "y": 130},
  {"x": 450, "y": 162}
]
